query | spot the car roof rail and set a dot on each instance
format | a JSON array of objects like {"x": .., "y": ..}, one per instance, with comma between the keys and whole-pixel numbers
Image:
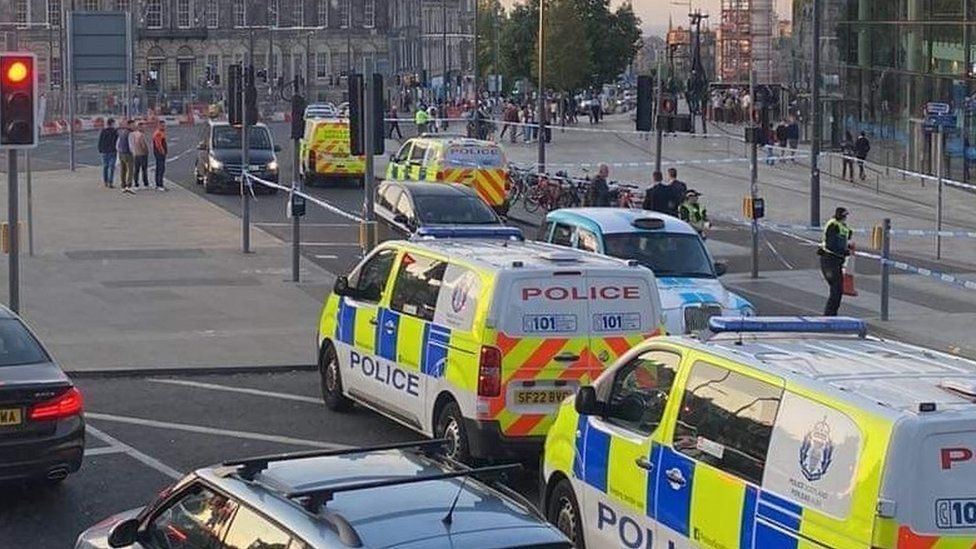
[
  {"x": 316, "y": 498},
  {"x": 250, "y": 467},
  {"x": 501, "y": 487}
]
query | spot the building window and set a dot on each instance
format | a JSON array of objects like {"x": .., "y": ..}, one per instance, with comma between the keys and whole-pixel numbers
[
  {"x": 297, "y": 65},
  {"x": 344, "y": 14},
  {"x": 183, "y": 14},
  {"x": 298, "y": 13},
  {"x": 213, "y": 16},
  {"x": 21, "y": 11},
  {"x": 54, "y": 13},
  {"x": 273, "y": 13},
  {"x": 239, "y": 13},
  {"x": 122, "y": 5},
  {"x": 322, "y": 7},
  {"x": 321, "y": 64},
  {"x": 89, "y": 5},
  {"x": 55, "y": 72},
  {"x": 154, "y": 14},
  {"x": 369, "y": 11}
]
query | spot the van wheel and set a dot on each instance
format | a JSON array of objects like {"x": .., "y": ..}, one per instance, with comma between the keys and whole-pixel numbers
[
  {"x": 450, "y": 425},
  {"x": 563, "y": 511},
  {"x": 208, "y": 186},
  {"x": 332, "y": 381}
]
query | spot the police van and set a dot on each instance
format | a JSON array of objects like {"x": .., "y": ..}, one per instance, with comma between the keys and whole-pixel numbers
[
  {"x": 478, "y": 340},
  {"x": 769, "y": 433}
]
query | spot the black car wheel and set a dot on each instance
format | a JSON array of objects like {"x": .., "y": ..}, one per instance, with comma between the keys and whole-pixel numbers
[
  {"x": 450, "y": 425},
  {"x": 332, "y": 381},
  {"x": 208, "y": 186},
  {"x": 563, "y": 511}
]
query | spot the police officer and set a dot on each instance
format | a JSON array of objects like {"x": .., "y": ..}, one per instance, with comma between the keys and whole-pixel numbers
[
  {"x": 693, "y": 212},
  {"x": 834, "y": 248}
]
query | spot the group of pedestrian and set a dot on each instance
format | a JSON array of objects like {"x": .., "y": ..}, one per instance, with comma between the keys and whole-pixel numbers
[
  {"x": 854, "y": 149},
  {"x": 674, "y": 198},
  {"x": 129, "y": 145}
]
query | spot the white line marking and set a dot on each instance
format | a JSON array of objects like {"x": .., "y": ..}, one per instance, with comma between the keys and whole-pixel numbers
[
  {"x": 133, "y": 453},
  {"x": 326, "y": 256},
  {"x": 215, "y": 387},
  {"x": 103, "y": 451},
  {"x": 309, "y": 224},
  {"x": 212, "y": 431}
]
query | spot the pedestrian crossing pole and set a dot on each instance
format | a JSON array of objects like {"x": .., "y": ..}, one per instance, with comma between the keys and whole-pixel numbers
[{"x": 754, "y": 172}]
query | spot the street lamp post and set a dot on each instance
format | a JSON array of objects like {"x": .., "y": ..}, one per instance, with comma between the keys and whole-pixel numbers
[
  {"x": 817, "y": 120},
  {"x": 444, "y": 51},
  {"x": 542, "y": 87}
]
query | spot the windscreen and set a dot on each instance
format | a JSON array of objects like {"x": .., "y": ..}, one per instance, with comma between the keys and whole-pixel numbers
[
  {"x": 474, "y": 156},
  {"x": 229, "y": 137},
  {"x": 456, "y": 210},
  {"x": 667, "y": 254},
  {"x": 17, "y": 345}
]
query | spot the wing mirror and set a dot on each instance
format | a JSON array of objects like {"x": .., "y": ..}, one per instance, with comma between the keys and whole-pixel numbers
[
  {"x": 393, "y": 158},
  {"x": 721, "y": 268},
  {"x": 124, "y": 534},
  {"x": 586, "y": 403},
  {"x": 401, "y": 219},
  {"x": 277, "y": 148},
  {"x": 342, "y": 288}
]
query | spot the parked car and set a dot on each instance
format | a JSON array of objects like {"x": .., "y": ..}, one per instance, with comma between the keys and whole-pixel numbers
[
  {"x": 42, "y": 429},
  {"x": 404, "y": 207},
  {"x": 219, "y": 162}
]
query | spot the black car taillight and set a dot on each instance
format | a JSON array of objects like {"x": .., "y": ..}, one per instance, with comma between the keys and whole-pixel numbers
[{"x": 67, "y": 404}]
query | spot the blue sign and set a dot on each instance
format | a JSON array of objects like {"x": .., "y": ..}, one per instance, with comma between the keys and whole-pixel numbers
[
  {"x": 945, "y": 121},
  {"x": 937, "y": 108}
]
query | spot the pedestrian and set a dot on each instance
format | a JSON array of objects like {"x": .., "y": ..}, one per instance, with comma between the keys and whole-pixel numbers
[
  {"x": 676, "y": 192},
  {"x": 693, "y": 212},
  {"x": 847, "y": 152},
  {"x": 125, "y": 157},
  {"x": 655, "y": 198},
  {"x": 106, "y": 147},
  {"x": 598, "y": 191},
  {"x": 160, "y": 150},
  {"x": 394, "y": 123},
  {"x": 781, "y": 137},
  {"x": 432, "y": 118},
  {"x": 526, "y": 119},
  {"x": 140, "y": 156},
  {"x": 421, "y": 119},
  {"x": 793, "y": 137},
  {"x": 769, "y": 138},
  {"x": 834, "y": 248},
  {"x": 861, "y": 149}
]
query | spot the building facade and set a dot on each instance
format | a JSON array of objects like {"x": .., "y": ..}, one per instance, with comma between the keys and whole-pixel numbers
[{"x": 182, "y": 48}]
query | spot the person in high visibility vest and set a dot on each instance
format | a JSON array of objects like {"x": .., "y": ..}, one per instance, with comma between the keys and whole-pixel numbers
[
  {"x": 422, "y": 119},
  {"x": 834, "y": 248},
  {"x": 693, "y": 212}
]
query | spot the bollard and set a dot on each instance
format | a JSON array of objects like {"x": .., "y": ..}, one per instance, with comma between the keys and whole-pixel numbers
[{"x": 885, "y": 267}]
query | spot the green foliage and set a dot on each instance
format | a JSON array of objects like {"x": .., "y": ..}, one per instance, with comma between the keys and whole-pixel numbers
[{"x": 564, "y": 48}]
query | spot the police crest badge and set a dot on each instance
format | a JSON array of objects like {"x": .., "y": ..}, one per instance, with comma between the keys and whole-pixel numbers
[{"x": 816, "y": 451}]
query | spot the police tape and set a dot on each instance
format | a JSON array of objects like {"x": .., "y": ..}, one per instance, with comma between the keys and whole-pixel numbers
[
  {"x": 924, "y": 232},
  {"x": 646, "y": 164},
  {"x": 921, "y": 271},
  {"x": 899, "y": 171},
  {"x": 317, "y": 201}
]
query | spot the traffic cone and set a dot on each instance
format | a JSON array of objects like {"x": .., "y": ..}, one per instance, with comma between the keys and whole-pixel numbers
[{"x": 848, "y": 279}]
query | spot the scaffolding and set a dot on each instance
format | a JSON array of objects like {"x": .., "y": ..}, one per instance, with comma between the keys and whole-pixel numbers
[{"x": 745, "y": 40}]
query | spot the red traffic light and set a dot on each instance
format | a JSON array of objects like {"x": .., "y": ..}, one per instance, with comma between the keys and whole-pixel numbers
[{"x": 17, "y": 72}]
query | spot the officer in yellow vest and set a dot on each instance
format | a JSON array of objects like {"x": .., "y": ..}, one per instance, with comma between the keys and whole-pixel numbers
[
  {"x": 422, "y": 119},
  {"x": 693, "y": 212},
  {"x": 835, "y": 246}
]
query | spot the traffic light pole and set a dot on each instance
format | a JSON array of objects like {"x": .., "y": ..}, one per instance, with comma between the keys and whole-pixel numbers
[
  {"x": 369, "y": 181},
  {"x": 541, "y": 118},
  {"x": 13, "y": 215}
]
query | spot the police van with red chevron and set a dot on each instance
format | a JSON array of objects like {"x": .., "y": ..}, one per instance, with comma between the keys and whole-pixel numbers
[{"x": 476, "y": 335}]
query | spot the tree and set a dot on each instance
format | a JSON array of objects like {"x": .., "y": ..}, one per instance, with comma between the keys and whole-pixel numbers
[
  {"x": 518, "y": 38},
  {"x": 614, "y": 39},
  {"x": 491, "y": 20},
  {"x": 564, "y": 49}
]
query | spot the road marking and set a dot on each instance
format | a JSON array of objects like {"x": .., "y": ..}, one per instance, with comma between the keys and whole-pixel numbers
[
  {"x": 132, "y": 452},
  {"x": 777, "y": 254},
  {"x": 103, "y": 451},
  {"x": 326, "y": 256},
  {"x": 309, "y": 224},
  {"x": 213, "y": 431},
  {"x": 215, "y": 387}
]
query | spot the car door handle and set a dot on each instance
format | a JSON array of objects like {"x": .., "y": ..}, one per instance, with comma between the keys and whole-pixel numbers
[
  {"x": 373, "y": 321},
  {"x": 643, "y": 463},
  {"x": 566, "y": 357},
  {"x": 675, "y": 478}
]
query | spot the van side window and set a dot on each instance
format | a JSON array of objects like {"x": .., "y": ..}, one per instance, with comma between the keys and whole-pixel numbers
[
  {"x": 401, "y": 155},
  {"x": 586, "y": 241},
  {"x": 372, "y": 276},
  {"x": 563, "y": 235},
  {"x": 726, "y": 420},
  {"x": 417, "y": 153},
  {"x": 640, "y": 391},
  {"x": 417, "y": 284}
]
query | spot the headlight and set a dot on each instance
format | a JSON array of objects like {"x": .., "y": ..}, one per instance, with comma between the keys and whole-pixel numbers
[
  {"x": 215, "y": 164},
  {"x": 273, "y": 166}
]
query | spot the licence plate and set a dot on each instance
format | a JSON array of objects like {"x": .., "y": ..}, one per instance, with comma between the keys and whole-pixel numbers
[
  {"x": 550, "y": 396},
  {"x": 10, "y": 416}
]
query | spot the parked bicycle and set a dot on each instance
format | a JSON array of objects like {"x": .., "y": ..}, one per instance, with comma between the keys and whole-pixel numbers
[{"x": 551, "y": 193}]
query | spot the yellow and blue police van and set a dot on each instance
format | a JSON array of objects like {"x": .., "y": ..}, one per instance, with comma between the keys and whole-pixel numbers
[
  {"x": 768, "y": 433},
  {"x": 476, "y": 335}
]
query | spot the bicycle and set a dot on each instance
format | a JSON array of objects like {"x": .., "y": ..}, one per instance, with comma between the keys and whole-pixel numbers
[
  {"x": 626, "y": 195},
  {"x": 551, "y": 193}
]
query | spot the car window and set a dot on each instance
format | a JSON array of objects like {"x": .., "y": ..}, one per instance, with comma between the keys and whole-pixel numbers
[
  {"x": 456, "y": 210},
  {"x": 405, "y": 206},
  {"x": 417, "y": 284},
  {"x": 563, "y": 235},
  {"x": 252, "y": 531},
  {"x": 667, "y": 254},
  {"x": 401, "y": 155},
  {"x": 371, "y": 277},
  {"x": 726, "y": 420},
  {"x": 388, "y": 196},
  {"x": 229, "y": 137},
  {"x": 640, "y": 391},
  {"x": 18, "y": 346},
  {"x": 418, "y": 152},
  {"x": 586, "y": 241},
  {"x": 195, "y": 520},
  {"x": 544, "y": 231}
]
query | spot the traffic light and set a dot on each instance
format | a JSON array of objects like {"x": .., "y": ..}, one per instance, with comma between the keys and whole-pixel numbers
[
  {"x": 298, "y": 105},
  {"x": 645, "y": 103},
  {"x": 378, "y": 115},
  {"x": 250, "y": 97},
  {"x": 357, "y": 145},
  {"x": 234, "y": 112},
  {"x": 18, "y": 97}
]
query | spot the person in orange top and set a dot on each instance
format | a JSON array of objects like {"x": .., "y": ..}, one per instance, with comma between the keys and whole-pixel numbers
[{"x": 160, "y": 149}]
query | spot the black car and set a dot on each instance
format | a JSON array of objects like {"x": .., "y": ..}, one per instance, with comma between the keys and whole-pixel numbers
[
  {"x": 219, "y": 163},
  {"x": 403, "y": 207},
  {"x": 42, "y": 430}
]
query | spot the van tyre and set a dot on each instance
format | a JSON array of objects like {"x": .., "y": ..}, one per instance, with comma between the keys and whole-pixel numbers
[
  {"x": 329, "y": 372},
  {"x": 208, "y": 186},
  {"x": 450, "y": 425},
  {"x": 563, "y": 511}
]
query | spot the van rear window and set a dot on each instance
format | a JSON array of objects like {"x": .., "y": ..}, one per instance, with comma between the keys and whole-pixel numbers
[{"x": 474, "y": 156}]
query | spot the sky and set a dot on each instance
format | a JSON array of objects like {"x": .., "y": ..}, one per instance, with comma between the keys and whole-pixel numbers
[{"x": 654, "y": 13}]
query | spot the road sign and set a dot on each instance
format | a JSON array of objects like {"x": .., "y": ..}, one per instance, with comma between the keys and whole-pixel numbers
[
  {"x": 945, "y": 121},
  {"x": 934, "y": 108},
  {"x": 98, "y": 47}
]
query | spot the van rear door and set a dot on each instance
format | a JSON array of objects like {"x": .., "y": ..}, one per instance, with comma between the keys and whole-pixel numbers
[{"x": 627, "y": 310}]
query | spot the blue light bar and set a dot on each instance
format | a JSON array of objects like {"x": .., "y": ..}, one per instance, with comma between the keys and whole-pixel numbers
[
  {"x": 470, "y": 231},
  {"x": 792, "y": 324}
]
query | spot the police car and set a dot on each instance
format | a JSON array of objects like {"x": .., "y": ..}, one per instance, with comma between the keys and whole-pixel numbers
[
  {"x": 478, "y": 339},
  {"x": 768, "y": 433},
  {"x": 686, "y": 274},
  {"x": 327, "y": 499}
]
